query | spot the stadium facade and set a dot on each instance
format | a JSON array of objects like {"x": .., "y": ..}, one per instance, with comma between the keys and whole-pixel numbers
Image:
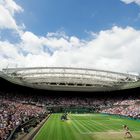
[{"x": 70, "y": 79}]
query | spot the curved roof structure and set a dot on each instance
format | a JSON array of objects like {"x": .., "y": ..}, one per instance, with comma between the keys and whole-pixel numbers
[{"x": 70, "y": 79}]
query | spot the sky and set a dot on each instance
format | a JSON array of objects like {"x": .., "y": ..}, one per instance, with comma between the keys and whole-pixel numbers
[{"x": 98, "y": 34}]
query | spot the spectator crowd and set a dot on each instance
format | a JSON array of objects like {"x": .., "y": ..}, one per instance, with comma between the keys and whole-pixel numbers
[
  {"x": 16, "y": 108},
  {"x": 129, "y": 107},
  {"x": 13, "y": 112}
]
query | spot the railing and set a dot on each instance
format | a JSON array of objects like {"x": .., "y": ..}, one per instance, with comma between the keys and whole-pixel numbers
[{"x": 29, "y": 123}]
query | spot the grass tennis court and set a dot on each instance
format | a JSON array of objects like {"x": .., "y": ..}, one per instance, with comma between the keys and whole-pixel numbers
[{"x": 87, "y": 127}]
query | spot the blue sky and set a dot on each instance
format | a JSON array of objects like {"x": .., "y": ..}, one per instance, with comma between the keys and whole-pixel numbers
[
  {"x": 77, "y": 17},
  {"x": 99, "y": 34}
]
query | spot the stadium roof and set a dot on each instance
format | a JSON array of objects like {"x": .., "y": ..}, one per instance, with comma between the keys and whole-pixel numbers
[{"x": 70, "y": 79}]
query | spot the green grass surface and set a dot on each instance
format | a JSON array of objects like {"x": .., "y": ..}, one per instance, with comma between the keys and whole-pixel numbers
[{"x": 87, "y": 127}]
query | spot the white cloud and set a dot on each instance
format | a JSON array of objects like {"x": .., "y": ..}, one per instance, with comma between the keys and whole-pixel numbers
[
  {"x": 8, "y": 50},
  {"x": 31, "y": 43},
  {"x": 116, "y": 49},
  {"x": 7, "y": 10},
  {"x": 131, "y": 1},
  {"x": 12, "y": 6},
  {"x": 6, "y": 20},
  {"x": 53, "y": 41}
]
